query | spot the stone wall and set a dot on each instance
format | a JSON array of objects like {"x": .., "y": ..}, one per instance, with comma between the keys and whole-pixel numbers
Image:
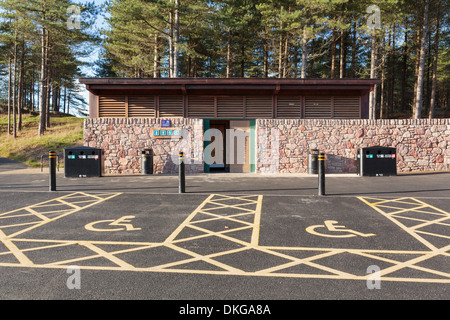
[
  {"x": 422, "y": 145},
  {"x": 122, "y": 142},
  {"x": 282, "y": 145}
]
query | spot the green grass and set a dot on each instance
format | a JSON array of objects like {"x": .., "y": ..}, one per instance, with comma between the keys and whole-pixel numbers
[{"x": 64, "y": 132}]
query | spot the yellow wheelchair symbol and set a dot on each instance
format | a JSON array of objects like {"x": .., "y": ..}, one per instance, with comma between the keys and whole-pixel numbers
[
  {"x": 332, "y": 226},
  {"x": 123, "y": 223}
]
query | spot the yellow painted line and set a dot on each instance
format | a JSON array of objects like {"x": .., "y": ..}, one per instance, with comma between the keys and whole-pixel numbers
[
  {"x": 437, "y": 221},
  {"x": 399, "y": 224},
  {"x": 60, "y": 216},
  {"x": 344, "y": 249},
  {"x": 187, "y": 220},
  {"x": 37, "y": 214},
  {"x": 434, "y": 234},
  {"x": 444, "y": 274},
  {"x": 220, "y": 234},
  {"x": 74, "y": 206},
  {"x": 403, "y": 210},
  {"x": 17, "y": 216},
  {"x": 107, "y": 255},
  {"x": 296, "y": 261},
  {"x": 413, "y": 261},
  {"x": 257, "y": 222},
  {"x": 219, "y": 217},
  {"x": 253, "y": 228},
  {"x": 209, "y": 234},
  {"x": 204, "y": 258},
  {"x": 20, "y": 256},
  {"x": 18, "y": 224}
]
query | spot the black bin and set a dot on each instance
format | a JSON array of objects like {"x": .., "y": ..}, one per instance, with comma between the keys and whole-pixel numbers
[
  {"x": 377, "y": 161},
  {"x": 82, "y": 162},
  {"x": 312, "y": 161},
  {"x": 147, "y": 161}
]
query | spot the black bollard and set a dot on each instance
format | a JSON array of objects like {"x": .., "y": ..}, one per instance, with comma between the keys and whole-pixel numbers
[
  {"x": 52, "y": 170},
  {"x": 181, "y": 175},
  {"x": 321, "y": 173}
]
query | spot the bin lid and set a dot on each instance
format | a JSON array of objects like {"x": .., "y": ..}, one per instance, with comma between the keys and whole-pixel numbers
[
  {"x": 82, "y": 148},
  {"x": 378, "y": 147}
]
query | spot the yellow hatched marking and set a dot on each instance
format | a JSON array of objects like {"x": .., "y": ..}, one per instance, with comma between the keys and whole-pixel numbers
[
  {"x": 106, "y": 255},
  {"x": 21, "y": 257},
  {"x": 64, "y": 212},
  {"x": 399, "y": 224},
  {"x": 248, "y": 205},
  {"x": 187, "y": 221}
]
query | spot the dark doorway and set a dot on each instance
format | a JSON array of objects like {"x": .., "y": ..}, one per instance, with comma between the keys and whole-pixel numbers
[{"x": 220, "y": 164}]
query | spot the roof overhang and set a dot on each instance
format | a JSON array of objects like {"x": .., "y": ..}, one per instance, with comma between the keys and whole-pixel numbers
[{"x": 228, "y": 86}]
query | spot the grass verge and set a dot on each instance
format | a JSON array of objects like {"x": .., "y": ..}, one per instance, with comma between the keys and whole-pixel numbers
[{"x": 64, "y": 132}]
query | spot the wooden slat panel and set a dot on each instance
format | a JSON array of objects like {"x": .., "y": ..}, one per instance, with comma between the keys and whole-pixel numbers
[
  {"x": 201, "y": 107},
  {"x": 258, "y": 107},
  {"x": 171, "y": 106},
  {"x": 111, "y": 107},
  {"x": 141, "y": 107},
  {"x": 347, "y": 108},
  {"x": 288, "y": 107},
  {"x": 318, "y": 107},
  {"x": 230, "y": 107}
]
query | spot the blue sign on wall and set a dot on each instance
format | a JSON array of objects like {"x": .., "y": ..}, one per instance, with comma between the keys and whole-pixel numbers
[
  {"x": 165, "y": 123},
  {"x": 169, "y": 133}
]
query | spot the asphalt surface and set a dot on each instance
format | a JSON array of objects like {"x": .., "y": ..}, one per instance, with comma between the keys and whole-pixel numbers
[
  {"x": 7, "y": 165},
  {"x": 420, "y": 185},
  {"x": 230, "y": 237}
]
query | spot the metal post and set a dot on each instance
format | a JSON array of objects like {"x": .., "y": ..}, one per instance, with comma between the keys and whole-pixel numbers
[
  {"x": 181, "y": 174},
  {"x": 52, "y": 170},
  {"x": 321, "y": 173}
]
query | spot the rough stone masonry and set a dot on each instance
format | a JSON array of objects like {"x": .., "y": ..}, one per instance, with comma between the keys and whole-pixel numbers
[{"x": 422, "y": 145}]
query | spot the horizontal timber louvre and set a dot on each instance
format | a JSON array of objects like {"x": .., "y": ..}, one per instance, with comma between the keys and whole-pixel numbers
[
  {"x": 229, "y": 107},
  {"x": 112, "y": 107},
  {"x": 289, "y": 107},
  {"x": 171, "y": 106},
  {"x": 347, "y": 108},
  {"x": 141, "y": 107},
  {"x": 201, "y": 107},
  {"x": 332, "y": 108}
]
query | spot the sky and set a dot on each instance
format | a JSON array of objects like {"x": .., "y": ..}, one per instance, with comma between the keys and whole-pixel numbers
[
  {"x": 100, "y": 23},
  {"x": 89, "y": 71}
]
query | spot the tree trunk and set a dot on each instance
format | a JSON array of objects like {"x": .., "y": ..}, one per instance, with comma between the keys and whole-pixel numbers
[
  {"x": 176, "y": 40},
  {"x": 55, "y": 105},
  {"x": 435, "y": 63},
  {"x": 20, "y": 97},
  {"x": 280, "y": 54},
  {"x": 295, "y": 61},
  {"x": 342, "y": 59},
  {"x": 171, "y": 32},
  {"x": 285, "y": 57},
  {"x": 9, "y": 92},
  {"x": 404, "y": 69},
  {"x": 420, "y": 76},
  {"x": 43, "y": 89},
  {"x": 373, "y": 75},
  {"x": 304, "y": 53},
  {"x": 65, "y": 99},
  {"x": 229, "y": 44},
  {"x": 333, "y": 54},
  {"x": 383, "y": 80},
  {"x": 14, "y": 99},
  {"x": 390, "y": 106},
  {"x": 354, "y": 40},
  {"x": 266, "y": 58}
]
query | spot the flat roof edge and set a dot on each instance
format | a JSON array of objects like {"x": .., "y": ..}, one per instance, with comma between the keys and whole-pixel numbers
[{"x": 227, "y": 81}]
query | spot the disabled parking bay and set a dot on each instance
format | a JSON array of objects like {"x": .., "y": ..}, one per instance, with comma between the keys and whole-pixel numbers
[{"x": 232, "y": 245}]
